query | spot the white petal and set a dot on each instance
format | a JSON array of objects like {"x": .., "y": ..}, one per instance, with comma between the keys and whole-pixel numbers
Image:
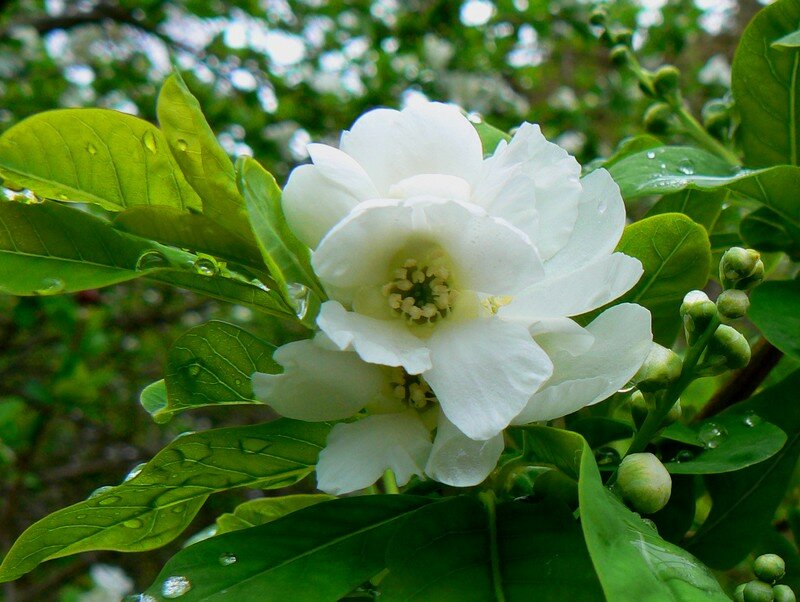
[
  {"x": 601, "y": 220},
  {"x": 317, "y": 383},
  {"x": 317, "y": 196},
  {"x": 432, "y": 138},
  {"x": 530, "y": 171},
  {"x": 460, "y": 461},
  {"x": 622, "y": 342},
  {"x": 358, "y": 453},
  {"x": 386, "y": 342},
  {"x": 571, "y": 294},
  {"x": 489, "y": 255},
  {"x": 484, "y": 371},
  {"x": 562, "y": 333}
]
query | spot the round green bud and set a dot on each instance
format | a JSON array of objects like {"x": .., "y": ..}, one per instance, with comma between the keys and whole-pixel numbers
[
  {"x": 666, "y": 80},
  {"x": 697, "y": 311},
  {"x": 737, "y": 264},
  {"x": 727, "y": 350},
  {"x": 753, "y": 279},
  {"x": 716, "y": 115},
  {"x": 769, "y": 568},
  {"x": 657, "y": 117},
  {"x": 758, "y": 591},
  {"x": 598, "y": 17},
  {"x": 644, "y": 482},
  {"x": 733, "y": 303},
  {"x": 661, "y": 367},
  {"x": 620, "y": 55},
  {"x": 738, "y": 593},
  {"x": 783, "y": 593},
  {"x": 622, "y": 35},
  {"x": 640, "y": 406}
]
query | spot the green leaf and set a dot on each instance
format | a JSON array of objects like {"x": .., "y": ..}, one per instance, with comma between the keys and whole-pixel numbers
[
  {"x": 155, "y": 506},
  {"x": 490, "y": 136},
  {"x": 47, "y": 248},
  {"x": 763, "y": 229},
  {"x": 630, "y": 559},
  {"x": 745, "y": 501},
  {"x": 95, "y": 156},
  {"x": 265, "y": 510},
  {"x": 676, "y": 255},
  {"x": 764, "y": 83},
  {"x": 774, "y": 309},
  {"x": 630, "y": 146},
  {"x": 153, "y": 397},
  {"x": 458, "y": 550},
  {"x": 206, "y": 165},
  {"x": 790, "y": 40},
  {"x": 211, "y": 365},
  {"x": 702, "y": 207},
  {"x": 286, "y": 257},
  {"x": 744, "y": 442},
  {"x": 318, "y": 553}
]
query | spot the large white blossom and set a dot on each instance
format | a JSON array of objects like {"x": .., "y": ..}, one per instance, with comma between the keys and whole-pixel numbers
[{"x": 468, "y": 270}]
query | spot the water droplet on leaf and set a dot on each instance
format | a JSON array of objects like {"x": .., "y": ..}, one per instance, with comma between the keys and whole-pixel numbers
[
  {"x": 686, "y": 167},
  {"x": 182, "y": 144},
  {"x": 175, "y": 587},
  {"x": 91, "y": 149},
  {"x": 684, "y": 455},
  {"x": 100, "y": 491},
  {"x": 227, "y": 559},
  {"x": 475, "y": 117},
  {"x": 133, "y": 523},
  {"x": 606, "y": 456},
  {"x": 299, "y": 295},
  {"x": 107, "y": 501},
  {"x": 150, "y": 141},
  {"x": 206, "y": 266},
  {"x": 151, "y": 260},
  {"x": 651, "y": 155},
  {"x": 51, "y": 286},
  {"x": 711, "y": 435},
  {"x": 135, "y": 472},
  {"x": 752, "y": 419}
]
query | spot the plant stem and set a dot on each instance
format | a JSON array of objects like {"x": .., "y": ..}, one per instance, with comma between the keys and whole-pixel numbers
[
  {"x": 699, "y": 133},
  {"x": 390, "y": 483},
  {"x": 488, "y": 500}
]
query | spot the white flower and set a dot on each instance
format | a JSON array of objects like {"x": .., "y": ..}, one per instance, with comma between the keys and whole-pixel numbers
[
  {"x": 320, "y": 382},
  {"x": 467, "y": 270}
]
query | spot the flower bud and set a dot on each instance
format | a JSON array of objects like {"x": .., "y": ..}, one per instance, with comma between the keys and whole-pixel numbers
[
  {"x": 644, "y": 482},
  {"x": 661, "y": 367},
  {"x": 697, "y": 311},
  {"x": 783, "y": 593},
  {"x": 727, "y": 350},
  {"x": 656, "y": 118},
  {"x": 738, "y": 593},
  {"x": 733, "y": 303},
  {"x": 620, "y": 55},
  {"x": 738, "y": 265},
  {"x": 758, "y": 591},
  {"x": 666, "y": 80},
  {"x": 640, "y": 406},
  {"x": 598, "y": 17},
  {"x": 769, "y": 568},
  {"x": 716, "y": 115},
  {"x": 622, "y": 35}
]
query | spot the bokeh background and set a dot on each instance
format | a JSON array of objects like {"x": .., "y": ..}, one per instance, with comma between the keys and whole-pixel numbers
[{"x": 271, "y": 76}]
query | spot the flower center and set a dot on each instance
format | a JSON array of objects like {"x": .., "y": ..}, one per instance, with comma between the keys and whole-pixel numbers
[
  {"x": 420, "y": 291},
  {"x": 411, "y": 389}
]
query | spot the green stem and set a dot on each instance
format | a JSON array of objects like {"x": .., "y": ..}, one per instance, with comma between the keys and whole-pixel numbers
[
  {"x": 488, "y": 500},
  {"x": 693, "y": 128},
  {"x": 390, "y": 483}
]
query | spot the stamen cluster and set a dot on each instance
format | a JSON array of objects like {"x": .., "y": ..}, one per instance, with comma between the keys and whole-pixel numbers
[
  {"x": 411, "y": 389},
  {"x": 420, "y": 293}
]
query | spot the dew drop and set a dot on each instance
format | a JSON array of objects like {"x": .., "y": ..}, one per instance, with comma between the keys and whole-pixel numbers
[
  {"x": 686, "y": 167},
  {"x": 299, "y": 298},
  {"x": 606, "y": 456},
  {"x": 151, "y": 260},
  {"x": 133, "y": 523},
  {"x": 711, "y": 435},
  {"x": 51, "y": 286},
  {"x": 24, "y": 196},
  {"x": 100, "y": 491},
  {"x": 651, "y": 155},
  {"x": 227, "y": 559},
  {"x": 475, "y": 117},
  {"x": 650, "y": 524},
  {"x": 139, "y": 598},
  {"x": 182, "y": 144},
  {"x": 684, "y": 455},
  {"x": 135, "y": 472},
  {"x": 175, "y": 587},
  {"x": 206, "y": 266},
  {"x": 752, "y": 419},
  {"x": 178, "y": 509},
  {"x": 91, "y": 149},
  {"x": 107, "y": 501},
  {"x": 150, "y": 141}
]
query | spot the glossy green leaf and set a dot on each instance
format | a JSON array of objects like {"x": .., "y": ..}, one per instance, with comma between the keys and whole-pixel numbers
[
  {"x": 790, "y": 40},
  {"x": 775, "y": 309},
  {"x": 703, "y": 207},
  {"x": 490, "y": 136},
  {"x": 676, "y": 518},
  {"x": 153, "y": 397},
  {"x": 630, "y": 146},
  {"x": 205, "y": 164},
  {"x": 265, "y": 510},
  {"x": 319, "y": 553},
  {"x": 48, "y": 248},
  {"x": 211, "y": 365},
  {"x": 286, "y": 257},
  {"x": 676, "y": 255},
  {"x": 456, "y": 550},
  {"x": 745, "y": 501},
  {"x": 155, "y": 506},
  {"x": 95, "y": 156},
  {"x": 765, "y": 230},
  {"x": 764, "y": 81}
]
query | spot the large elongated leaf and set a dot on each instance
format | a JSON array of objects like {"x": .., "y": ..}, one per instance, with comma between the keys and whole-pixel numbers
[
  {"x": 319, "y": 553},
  {"x": 676, "y": 255},
  {"x": 266, "y": 509},
  {"x": 745, "y": 501},
  {"x": 94, "y": 156},
  {"x": 703, "y": 207},
  {"x": 457, "y": 551},
  {"x": 765, "y": 83},
  {"x": 775, "y": 310},
  {"x": 155, "y": 506},
  {"x": 211, "y": 364},
  {"x": 47, "y": 248}
]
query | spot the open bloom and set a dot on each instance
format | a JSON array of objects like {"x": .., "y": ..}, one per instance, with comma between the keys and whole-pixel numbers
[
  {"x": 319, "y": 382},
  {"x": 468, "y": 270}
]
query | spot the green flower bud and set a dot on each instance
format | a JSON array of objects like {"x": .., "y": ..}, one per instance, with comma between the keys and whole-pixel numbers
[
  {"x": 758, "y": 591},
  {"x": 727, "y": 350},
  {"x": 656, "y": 118},
  {"x": 738, "y": 264},
  {"x": 733, "y": 303},
  {"x": 620, "y": 55},
  {"x": 644, "y": 482},
  {"x": 661, "y": 367},
  {"x": 598, "y": 17},
  {"x": 716, "y": 115},
  {"x": 622, "y": 35},
  {"x": 667, "y": 80},
  {"x": 738, "y": 593},
  {"x": 697, "y": 311},
  {"x": 783, "y": 593},
  {"x": 640, "y": 406},
  {"x": 753, "y": 279},
  {"x": 769, "y": 568}
]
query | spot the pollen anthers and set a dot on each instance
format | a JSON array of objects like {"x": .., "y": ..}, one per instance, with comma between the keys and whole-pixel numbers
[
  {"x": 421, "y": 291},
  {"x": 411, "y": 389}
]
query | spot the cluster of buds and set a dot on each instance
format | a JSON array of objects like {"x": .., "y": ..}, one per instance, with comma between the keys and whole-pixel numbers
[
  {"x": 769, "y": 569},
  {"x": 741, "y": 269}
]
